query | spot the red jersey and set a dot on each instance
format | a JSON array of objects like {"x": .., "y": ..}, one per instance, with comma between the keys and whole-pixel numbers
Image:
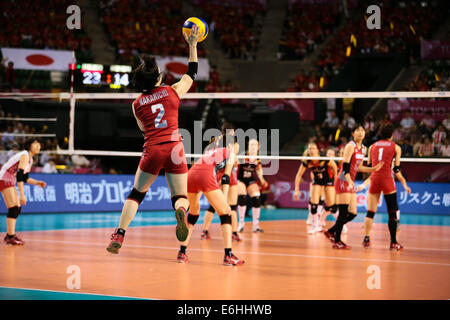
[
  {"x": 213, "y": 158},
  {"x": 158, "y": 112},
  {"x": 355, "y": 161},
  {"x": 382, "y": 150}
]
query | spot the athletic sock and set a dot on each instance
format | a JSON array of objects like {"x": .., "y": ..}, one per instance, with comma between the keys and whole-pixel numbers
[
  {"x": 343, "y": 208},
  {"x": 256, "y": 213},
  {"x": 235, "y": 233},
  {"x": 121, "y": 231},
  {"x": 242, "y": 210},
  {"x": 183, "y": 249},
  {"x": 228, "y": 252},
  {"x": 392, "y": 224},
  {"x": 350, "y": 217}
]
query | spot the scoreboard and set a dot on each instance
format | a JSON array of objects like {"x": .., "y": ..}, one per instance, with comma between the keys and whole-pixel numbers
[{"x": 98, "y": 75}]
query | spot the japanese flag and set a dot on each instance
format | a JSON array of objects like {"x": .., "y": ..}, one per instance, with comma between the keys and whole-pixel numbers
[{"x": 36, "y": 59}]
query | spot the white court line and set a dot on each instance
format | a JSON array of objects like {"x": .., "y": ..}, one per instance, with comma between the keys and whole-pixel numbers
[
  {"x": 259, "y": 253},
  {"x": 93, "y": 294},
  {"x": 351, "y": 244}
]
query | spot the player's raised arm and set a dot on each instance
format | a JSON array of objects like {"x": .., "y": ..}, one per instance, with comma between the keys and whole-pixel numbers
[
  {"x": 397, "y": 171},
  {"x": 183, "y": 86}
]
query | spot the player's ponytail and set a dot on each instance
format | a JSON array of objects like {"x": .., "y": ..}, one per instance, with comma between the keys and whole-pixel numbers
[{"x": 146, "y": 75}]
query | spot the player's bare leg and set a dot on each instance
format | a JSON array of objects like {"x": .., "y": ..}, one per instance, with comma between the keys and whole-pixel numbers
[
  {"x": 218, "y": 201},
  {"x": 178, "y": 189},
  {"x": 232, "y": 200},
  {"x": 254, "y": 193},
  {"x": 316, "y": 192},
  {"x": 194, "y": 213},
  {"x": 372, "y": 203},
  {"x": 142, "y": 183},
  {"x": 11, "y": 199},
  {"x": 242, "y": 204},
  {"x": 209, "y": 215}
]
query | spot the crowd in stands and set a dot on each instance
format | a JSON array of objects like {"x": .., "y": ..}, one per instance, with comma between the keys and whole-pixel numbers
[
  {"x": 404, "y": 24},
  {"x": 150, "y": 26},
  {"x": 424, "y": 138},
  {"x": 436, "y": 77},
  {"x": 235, "y": 24},
  {"x": 48, "y": 159},
  {"x": 306, "y": 25},
  {"x": 41, "y": 24}
]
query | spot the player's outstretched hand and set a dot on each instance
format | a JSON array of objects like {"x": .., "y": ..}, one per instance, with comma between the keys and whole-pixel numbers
[
  {"x": 360, "y": 188},
  {"x": 193, "y": 37},
  {"x": 297, "y": 195},
  {"x": 408, "y": 189},
  {"x": 41, "y": 184},
  {"x": 378, "y": 166},
  {"x": 23, "y": 201}
]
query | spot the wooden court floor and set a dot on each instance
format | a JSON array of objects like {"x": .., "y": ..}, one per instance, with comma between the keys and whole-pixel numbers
[{"x": 282, "y": 263}]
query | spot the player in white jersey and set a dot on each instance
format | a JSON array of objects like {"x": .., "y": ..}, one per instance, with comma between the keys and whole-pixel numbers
[{"x": 16, "y": 170}]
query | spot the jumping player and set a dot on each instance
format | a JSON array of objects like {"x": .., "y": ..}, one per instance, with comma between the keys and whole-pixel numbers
[
  {"x": 386, "y": 151},
  {"x": 156, "y": 113},
  {"x": 16, "y": 170},
  {"x": 323, "y": 171},
  {"x": 227, "y": 128},
  {"x": 249, "y": 172},
  {"x": 202, "y": 179},
  {"x": 354, "y": 153}
]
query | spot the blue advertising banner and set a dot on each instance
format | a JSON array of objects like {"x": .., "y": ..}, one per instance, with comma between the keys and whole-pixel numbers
[
  {"x": 92, "y": 193},
  {"x": 425, "y": 198}
]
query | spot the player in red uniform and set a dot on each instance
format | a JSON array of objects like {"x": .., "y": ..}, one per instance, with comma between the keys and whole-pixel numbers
[
  {"x": 156, "y": 113},
  {"x": 16, "y": 170},
  {"x": 382, "y": 181},
  {"x": 227, "y": 128},
  {"x": 202, "y": 180},
  {"x": 354, "y": 153}
]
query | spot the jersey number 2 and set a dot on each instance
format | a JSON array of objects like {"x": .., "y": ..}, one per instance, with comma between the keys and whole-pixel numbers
[{"x": 158, "y": 122}]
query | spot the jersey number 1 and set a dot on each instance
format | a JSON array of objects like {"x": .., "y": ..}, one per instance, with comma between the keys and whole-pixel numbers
[
  {"x": 380, "y": 154},
  {"x": 158, "y": 122}
]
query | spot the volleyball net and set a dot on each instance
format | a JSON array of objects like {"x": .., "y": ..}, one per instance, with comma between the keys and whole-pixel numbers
[{"x": 102, "y": 124}]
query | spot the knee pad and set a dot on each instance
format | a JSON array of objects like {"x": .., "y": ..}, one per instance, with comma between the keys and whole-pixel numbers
[
  {"x": 211, "y": 209},
  {"x": 242, "y": 200},
  {"x": 328, "y": 208},
  {"x": 333, "y": 208},
  {"x": 192, "y": 219},
  {"x": 233, "y": 207},
  {"x": 175, "y": 198},
  {"x": 14, "y": 212},
  {"x": 314, "y": 208},
  {"x": 136, "y": 196},
  {"x": 256, "y": 201},
  {"x": 391, "y": 201},
  {"x": 225, "y": 219},
  {"x": 370, "y": 214}
]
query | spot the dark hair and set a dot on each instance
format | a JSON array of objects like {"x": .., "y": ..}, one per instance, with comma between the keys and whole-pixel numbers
[
  {"x": 146, "y": 75},
  {"x": 357, "y": 126},
  {"x": 29, "y": 142},
  {"x": 226, "y": 126},
  {"x": 222, "y": 141},
  {"x": 386, "y": 131}
]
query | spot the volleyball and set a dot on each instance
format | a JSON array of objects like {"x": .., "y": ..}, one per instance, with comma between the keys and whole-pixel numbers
[{"x": 202, "y": 25}]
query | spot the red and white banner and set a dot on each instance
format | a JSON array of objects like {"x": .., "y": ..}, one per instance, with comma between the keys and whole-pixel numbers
[
  {"x": 304, "y": 107},
  {"x": 178, "y": 66},
  {"x": 418, "y": 108},
  {"x": 435, "y": 49},
  {"x": 37, "y": 59}
]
